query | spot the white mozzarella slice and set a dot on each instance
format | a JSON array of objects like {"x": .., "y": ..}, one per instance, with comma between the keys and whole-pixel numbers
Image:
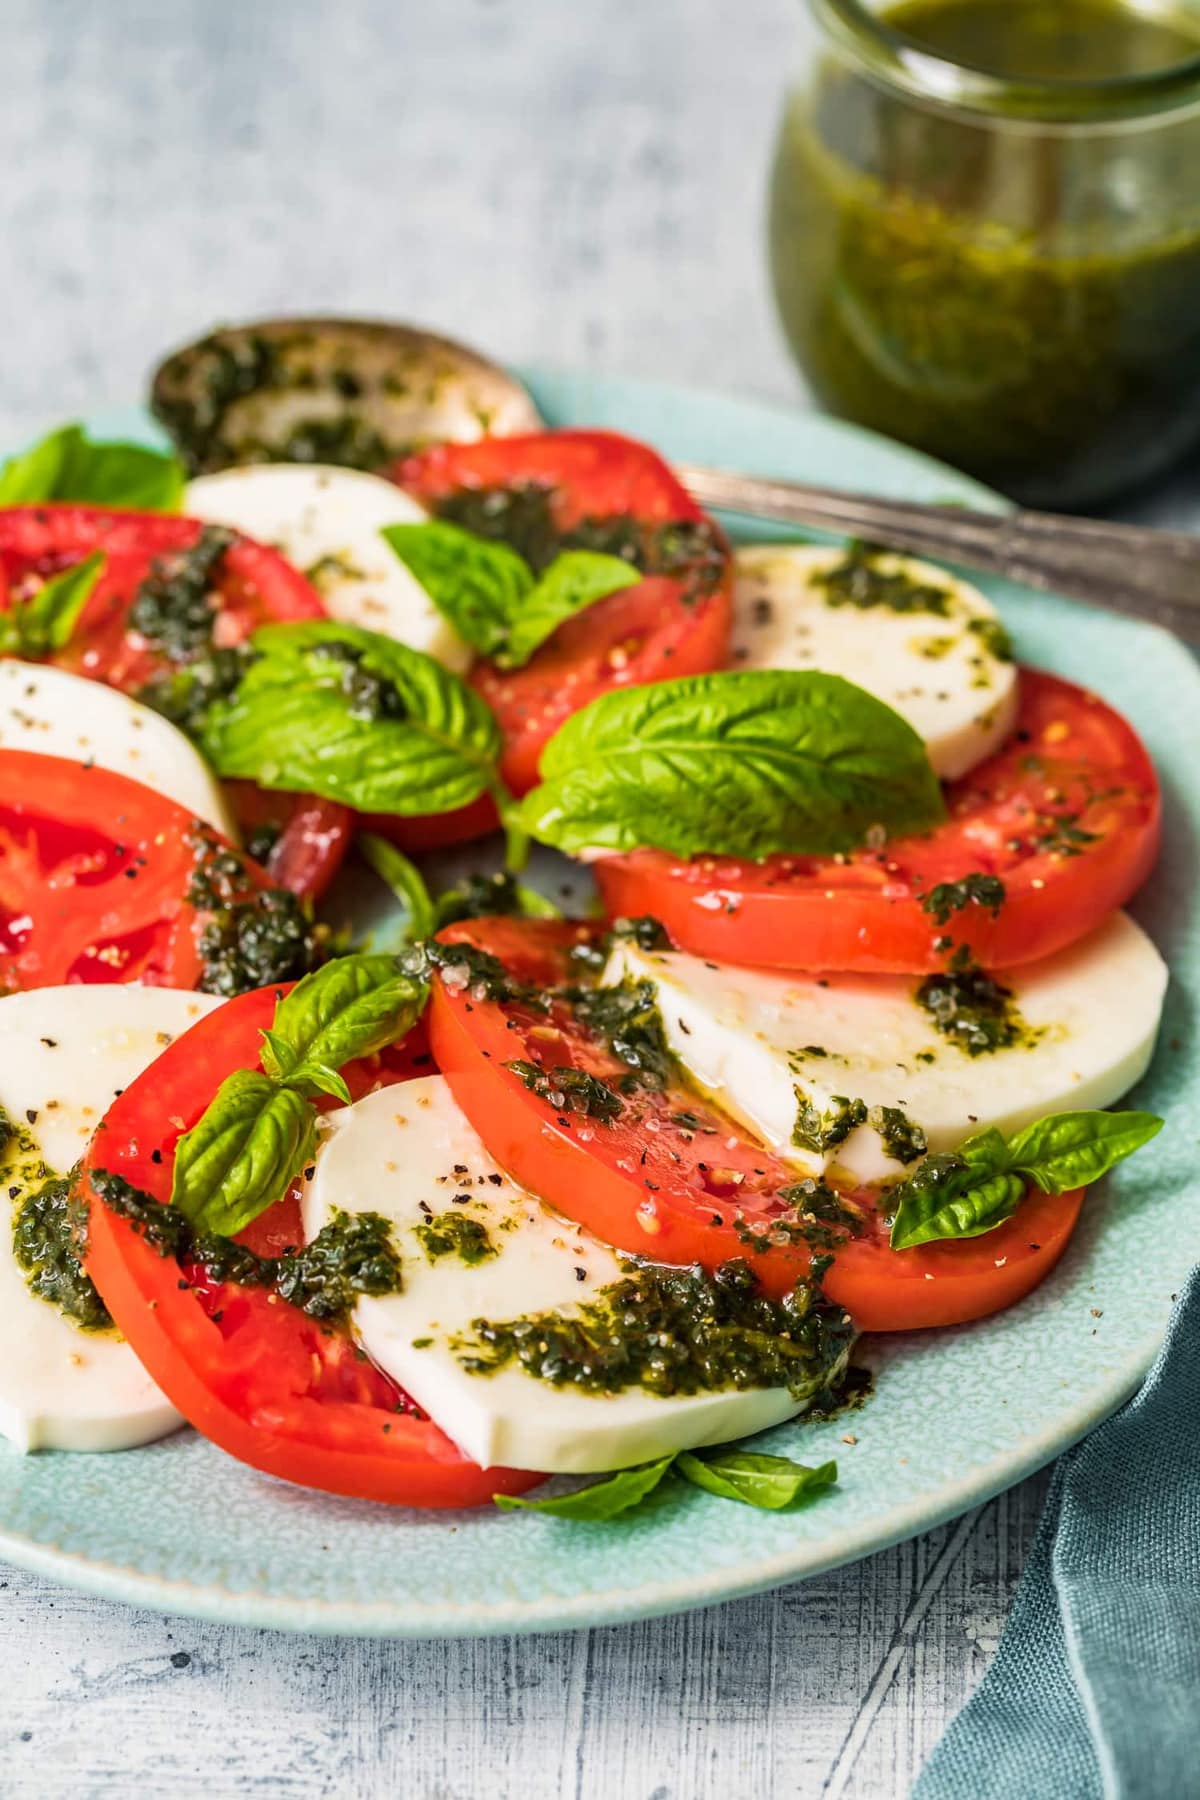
[
  {"x": 327, "y": 521},
  {"x": 58, "y": 714},
  {"x": 406, "y": 1152},
  {"x": 759, "y": 1042},
  {"x": 65, "y": 1053},
  {"x": 934, "y": 668}
]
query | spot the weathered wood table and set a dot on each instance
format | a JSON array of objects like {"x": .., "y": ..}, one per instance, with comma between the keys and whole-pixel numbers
[{"x": 583, "y": 184}]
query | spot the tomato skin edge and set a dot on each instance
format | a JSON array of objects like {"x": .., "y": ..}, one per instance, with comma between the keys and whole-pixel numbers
[
  {"x": 908, "y": 1302},
  {"x": 135, "y": 1283},
  {"x": 942, "y": 1284},
  {"x": 486, "y": 1093},
  {"x": 328, "y": 1443}
]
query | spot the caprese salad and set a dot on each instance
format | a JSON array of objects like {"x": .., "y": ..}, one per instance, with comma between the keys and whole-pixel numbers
[{"x": 519, "y": 1195}]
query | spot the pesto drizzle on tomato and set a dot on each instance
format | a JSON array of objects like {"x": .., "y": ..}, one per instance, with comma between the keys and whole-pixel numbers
[
  {"x": 251, "y": 937},
  {"x": 351, "y": 1256},
  {"x": 522, "y": 516}
]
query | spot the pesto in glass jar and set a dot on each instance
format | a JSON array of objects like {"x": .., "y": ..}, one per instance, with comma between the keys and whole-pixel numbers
[{"x": 985, "y": 235}]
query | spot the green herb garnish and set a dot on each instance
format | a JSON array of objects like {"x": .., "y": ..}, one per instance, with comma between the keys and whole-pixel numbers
[{"x": 969, "y": 1191}]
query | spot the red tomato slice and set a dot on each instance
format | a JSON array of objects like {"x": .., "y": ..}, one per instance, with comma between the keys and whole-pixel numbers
[
  {"x": 437, "y": 831},
  {"x": 95, "y": 871},
  {"x": 300, "y": 839},
  {"x": 675, "y": 1179},
  {"x": 1067, "y": 814},
  {"x": 664, "y": 626},
  {"x": 257, "y": 1376},
  {"x": 252, "y": 585}
]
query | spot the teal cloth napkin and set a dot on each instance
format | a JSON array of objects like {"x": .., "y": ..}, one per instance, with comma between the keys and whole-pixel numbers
[{"x": 1095, "y": 1690}]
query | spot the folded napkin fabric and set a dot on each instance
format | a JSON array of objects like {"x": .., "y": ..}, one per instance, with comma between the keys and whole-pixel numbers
[{"x": 1095, "y": 1690}]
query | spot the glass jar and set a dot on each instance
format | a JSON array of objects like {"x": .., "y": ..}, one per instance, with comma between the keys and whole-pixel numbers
[{"x": 999, "y": 264}]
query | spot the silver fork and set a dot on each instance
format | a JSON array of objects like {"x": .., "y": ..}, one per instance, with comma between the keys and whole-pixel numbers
[{"x": 1132, "y": 569}]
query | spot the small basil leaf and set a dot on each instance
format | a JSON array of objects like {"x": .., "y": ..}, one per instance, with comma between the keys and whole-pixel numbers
[
  {"x": 738, "y": 764},
  {"x": 352, "y": 1007},
  {"x": 67, "y": 465},
  {"x": 405, "y": 880},
  {"x": 987, "y": 1150},
  {"x": 574, "y": 580},
  {"x": 319, "y": 1078},
  {"x": 476, "y": 584},
  {"x": 769, "y": 1482},
  {"x": 603, "y": 1500},
  {"x": 47, "y": 620},
  {"x": 1071, "y": 1150},
  {"x": 33, "y": 474},
  {"x": 244, "y": 1153},
  {"x": 928, "y": 1213},
  {"x": 357, "y": 717}
]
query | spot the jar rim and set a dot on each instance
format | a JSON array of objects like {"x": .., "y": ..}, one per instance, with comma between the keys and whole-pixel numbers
[{"x": 904, "y": 62}]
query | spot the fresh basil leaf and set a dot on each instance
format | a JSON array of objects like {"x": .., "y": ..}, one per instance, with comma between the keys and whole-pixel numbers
[
  {"x": 33, "y": 474},
  {"x": 928, "y": 1212},
  {"x": 67, "y": 465},
  {"x": 737, "y": 764},
  {"x": 405, "y": 880},
  {"x": 476, "y": 584},
  {"x": 317, "y": 1077},
  {"x": 352, "y": 1007},
  {"x": 489, "y": 594},
  {"x": 603, "y": 1500},
  {"x": 573, "y": 581},
  {"x": 768, "y": 1482},
  {"x": 1071, "y": 1150},
  {"x": 47, "y": 619},
  {"x": 243, "y": 1154},
  {"x": 987, "y": 1150},
  {"x": 358, "y": 717}
]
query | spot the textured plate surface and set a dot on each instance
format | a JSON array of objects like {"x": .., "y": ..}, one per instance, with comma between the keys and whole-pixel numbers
[{"x": 956, "y": 1416}]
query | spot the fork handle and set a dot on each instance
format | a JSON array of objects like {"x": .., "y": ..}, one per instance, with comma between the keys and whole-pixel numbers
[{"x": 1136, "y": 570}]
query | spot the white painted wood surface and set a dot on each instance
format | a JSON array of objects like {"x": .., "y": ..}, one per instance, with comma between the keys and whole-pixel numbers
[{"x": 578, "y": 181}]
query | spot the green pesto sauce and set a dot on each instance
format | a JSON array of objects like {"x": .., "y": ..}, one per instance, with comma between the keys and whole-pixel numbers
[
  {"x": 1022, "y": 303},
  {"x": 950, "y": 897},
  {"x": 186, "y": 692},
  {"x": 481, "y": 897},
  {"x": 173, "y": 608},
  {"x": 625, "y": 1017},
  {"x": 901, "y": 1137},
  {"x": 646, "y": 933},
  {"x": 45, "y": 1243},
  {"x": 351, "y": 1256},
  {"x": 369, "y": 695},
  {"x": 196, "y": 409},
  {"x": 455, "y": 1234},
  {"x": 465, "y": 968},
  {"x": 250, "y": 938},
  {"x": 522, "y": 516},
  {"x": 569, "y": 1090},
  {"x": 973, "y": 1011},
  {"x": 820, "y": 1218},
  {"x": 994, "y": 639},
  {"x": 46, "y": 1229},
  {"x": 673, "y": 1331},
  {"x": 851, "y": 1393},
  {"x": 821, "y": 1131},
  {"x": 862, "y": 581}
]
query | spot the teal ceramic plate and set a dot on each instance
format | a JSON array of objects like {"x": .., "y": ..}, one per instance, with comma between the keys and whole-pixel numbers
[{"x": 956, "y": 1416}]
